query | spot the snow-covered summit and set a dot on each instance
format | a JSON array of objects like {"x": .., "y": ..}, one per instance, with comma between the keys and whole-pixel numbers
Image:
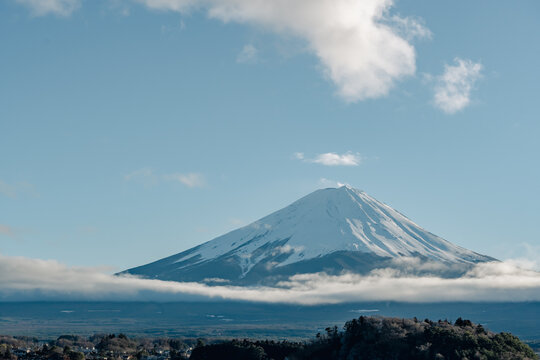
[{"x": 319, "y": 226}]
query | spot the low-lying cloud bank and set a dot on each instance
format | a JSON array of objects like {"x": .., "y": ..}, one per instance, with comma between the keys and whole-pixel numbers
[{"x": 496, "y": 281}]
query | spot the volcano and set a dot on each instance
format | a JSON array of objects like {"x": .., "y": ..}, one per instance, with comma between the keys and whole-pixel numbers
[{"x": 332, "y": 230}]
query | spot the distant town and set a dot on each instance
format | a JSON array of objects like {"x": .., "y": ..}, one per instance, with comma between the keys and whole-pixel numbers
[{"x": 96, "y": 347}]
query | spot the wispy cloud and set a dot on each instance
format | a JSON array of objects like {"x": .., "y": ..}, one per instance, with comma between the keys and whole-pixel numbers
[
  {"x": 146, "y": 176},
  {"x": 332, "y": 159},
  {"x": 140, "y": 173},
  {"x": 173, "y": 28},
  {"x": 247, "y": 55},
  {"x": 149, "y": 177},
  {"x": 485, "y": 282},
  {"x": 410, "y": 28},
  {"x": 454, "y": 86},
  {"x": 362, "y": 48},
  {"x": 190, "y": 179},
  {"x": 55, "y": 7},
  {"x": 529, "y": 255}
]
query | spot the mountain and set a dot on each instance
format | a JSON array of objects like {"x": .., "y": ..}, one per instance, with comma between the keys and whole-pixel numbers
[{"x": 330, "y": 230}]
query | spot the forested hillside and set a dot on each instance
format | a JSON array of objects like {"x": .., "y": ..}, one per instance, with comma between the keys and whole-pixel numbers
[{"x": 382, "y": 338}]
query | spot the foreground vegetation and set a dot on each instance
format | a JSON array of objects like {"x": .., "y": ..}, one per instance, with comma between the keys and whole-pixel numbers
[
  {"x": 383, "y": 338},
  {"x": 362, "y": 338}
]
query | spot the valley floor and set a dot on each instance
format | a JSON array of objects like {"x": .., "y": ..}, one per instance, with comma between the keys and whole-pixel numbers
[{"x": 240, "y": 319}]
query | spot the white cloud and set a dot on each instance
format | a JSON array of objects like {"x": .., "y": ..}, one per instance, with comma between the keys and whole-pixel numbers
[
  {"x": 454, "y": 86},
  {"x": 190, "y": 180},
  {"x": 46, "y": 7},
  {"x": 332, "y": 159},
  {"x": 485, "y": 282},
  {"x": 362, "y": 49},
  {"x": 247, "y": 55}
]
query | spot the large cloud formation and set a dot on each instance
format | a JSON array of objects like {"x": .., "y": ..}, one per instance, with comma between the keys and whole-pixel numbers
[
  {"x": 497, "y": 281},
  {"x": 363, "y": 49}
]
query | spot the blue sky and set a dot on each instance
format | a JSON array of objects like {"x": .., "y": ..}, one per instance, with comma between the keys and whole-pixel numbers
[{"x": 132, "y": 130}]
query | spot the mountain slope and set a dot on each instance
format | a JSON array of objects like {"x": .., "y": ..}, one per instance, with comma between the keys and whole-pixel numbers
[{"x": 328, "y": 230}]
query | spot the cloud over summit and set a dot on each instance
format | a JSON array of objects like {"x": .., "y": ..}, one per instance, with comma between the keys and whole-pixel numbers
[{"x": 332, "y": 159}]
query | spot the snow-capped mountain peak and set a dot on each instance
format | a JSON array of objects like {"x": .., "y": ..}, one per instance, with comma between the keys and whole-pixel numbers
[{"x": 322, "y": 225}]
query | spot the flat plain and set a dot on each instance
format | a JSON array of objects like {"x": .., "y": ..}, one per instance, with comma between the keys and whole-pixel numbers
[{"x": 47, "y": 320}]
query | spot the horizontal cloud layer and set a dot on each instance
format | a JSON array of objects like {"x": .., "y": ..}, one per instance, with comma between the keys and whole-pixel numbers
[{"x": 497, "y": 281}]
